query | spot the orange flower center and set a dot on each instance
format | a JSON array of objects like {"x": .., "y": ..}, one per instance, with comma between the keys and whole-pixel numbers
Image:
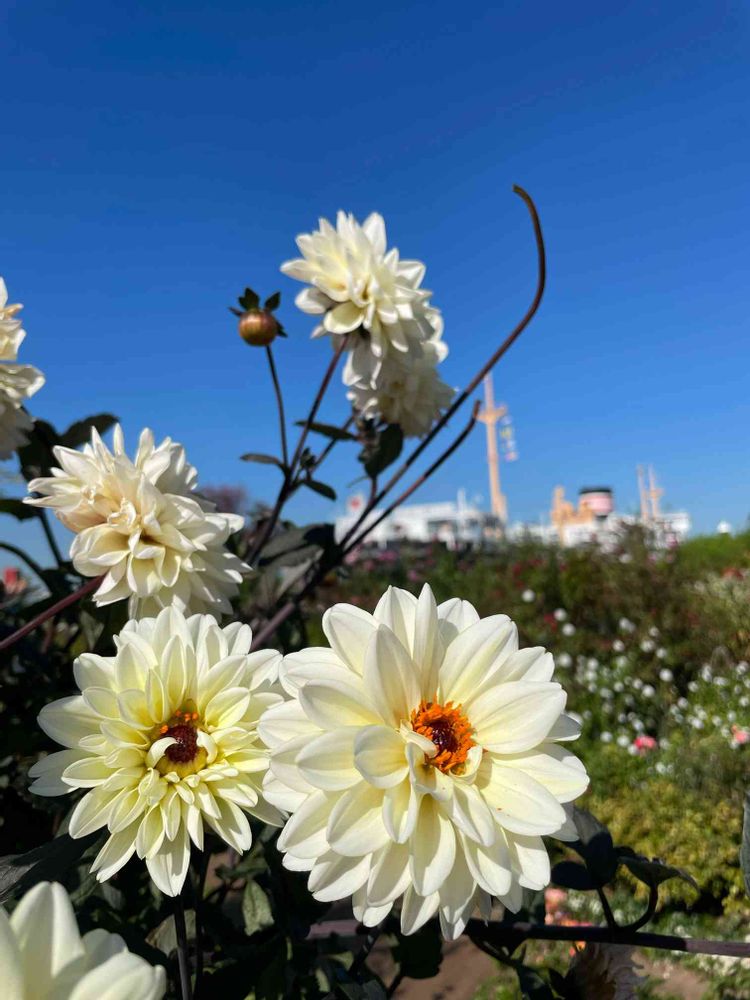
[{"x": 449, "y": 730}]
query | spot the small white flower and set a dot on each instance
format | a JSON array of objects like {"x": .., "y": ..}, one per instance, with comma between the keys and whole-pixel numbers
[
  {"x": 696, "y": 723},
  {"x": 606, "y": 737},
  {"x": 636, "y": 683},
  {"x": 647, "y": 646},
  {"x": 141, "y": 526},
  {"x": 666, "y": 675},
  {"x": 618, "y": 686},
  {"x": 693, "y": 686},
  {"x": 625, "y": 625},
  {"x": 593, "y": 663},
  {"x": 653, "y": 632},
  {"x": 568, "y": 629},
  {"x": 406, "y": 391},
  {"x": 11, "y": 331},
  {"x": 623, "y": 740},
  {"x": 648, "y": 691},
  {"x": 420, "y": 760},
  {"x": 164, "y": 737},
  {"x": 17, "y": 382},
  {"x": 661, "y": 767},
  {"x": 564, "y": 660},
  {"x": 561, "y": 614},
  {"x": 362, "y": 289},
  {"x": 621, "y": 661},
  {"x": 618, "y": 646},
  {"x": 44, "y": 956},
  {"x": 528, "y": 596},
  {"x": 661, "y": 653},
  {"x": 626, "y": 558}
]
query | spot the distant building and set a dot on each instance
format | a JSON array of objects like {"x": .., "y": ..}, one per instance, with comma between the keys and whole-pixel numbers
[{"x": 452, "y": 523}]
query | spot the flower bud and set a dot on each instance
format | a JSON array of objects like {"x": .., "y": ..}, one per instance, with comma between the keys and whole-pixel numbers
[{"x": 258, "y": 327}]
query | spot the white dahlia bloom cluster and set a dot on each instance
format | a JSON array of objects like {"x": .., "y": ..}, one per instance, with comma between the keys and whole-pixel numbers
[
  {"x": 140, "y": 525},
  {"x": 366, "y": 292},
  {"x": 17, "y": 382},
  {"x": 422, "y": 757},
  {"x": 44, "y": 957},
  {"x": 164, "y": 739}
]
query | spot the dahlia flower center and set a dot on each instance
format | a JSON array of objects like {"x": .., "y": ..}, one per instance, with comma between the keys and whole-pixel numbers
[
  {"x": 184, "y": 756},
  {"x": 449, "y": 730}
]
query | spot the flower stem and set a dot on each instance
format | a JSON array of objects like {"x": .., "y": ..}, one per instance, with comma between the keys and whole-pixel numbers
[
  {"x": 53, "y": 610},
  {"x": 280, "y": 404},
  {"x": 183, "y": 960},
  {"x": 47, "y": 529},
  {"x": 288, "y": 483}
]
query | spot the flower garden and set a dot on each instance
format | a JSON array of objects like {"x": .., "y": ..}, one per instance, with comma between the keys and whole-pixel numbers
[{"x": 239, "y": 755}]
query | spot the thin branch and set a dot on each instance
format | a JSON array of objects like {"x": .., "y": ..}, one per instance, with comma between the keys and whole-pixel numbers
[
  {"x": 326, "y": 451},
  {"x": 52, "y": 541},
  {"x": 288, "y": 483},
  {"x": 20, "y": 554},
  {"x": 513, "y": 934},
  {"x": 419, "y": 481},
  {"x": 183, "y": 959},
  {"x": 653, "y": 899},
  {"x": 498, "y": 354},
  {"x": 373, "y": 933},
  {"x": 279, "y": 403},
  {"x": 53, "y": 610},
  {"x": 608, "y": 914}
]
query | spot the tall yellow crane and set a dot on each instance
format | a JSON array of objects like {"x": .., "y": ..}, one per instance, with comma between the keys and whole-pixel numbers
[
  {"x": 490, "y": 416},
  {"x": 649, "y": 495}
]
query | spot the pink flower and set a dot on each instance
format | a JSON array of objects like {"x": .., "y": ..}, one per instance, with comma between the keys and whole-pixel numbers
[
  {"x": 740, "y": 736},
  {"x": 644, "y": 744}
]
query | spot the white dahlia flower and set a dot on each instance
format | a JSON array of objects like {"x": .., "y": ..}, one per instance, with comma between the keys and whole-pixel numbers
[
  {"x": 406, "y": 391},
  {"x": 420, "y": 758},
  {"x": 361, "y": 288},
  {"x": 164, "y": 738},
  {"x": 140, "y": 526},
  {"x": 44, "y": 957},
  {"x": 11, "y": 333}
]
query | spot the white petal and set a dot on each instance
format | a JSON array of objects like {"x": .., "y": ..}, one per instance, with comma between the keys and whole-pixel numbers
[
  {"x": 490, "y": 866},
  {"x": 433, "y": 847},
  {"x": 305, "y": 834},
  {"x": 349, "y": 629},
  {"x": 379, "y": 756},
  {"x": 168, "y": 868},
  {"x": 10, "y": 961},
  {"x": 68, "y": 720},
  {"x": 355, "y": 826},
  {"x": 389, "y": 874},
  {"x": 400, "y": 810},
  {"x": 416, "y": 910},
  {"x": 45, "y": 929},
  {"x": 474, "y": 656},
  {"x": 397, "y": 610},
  {"x": 517, "y": 716},
  {"x": 330, "y": 704},
  {"x": 327, "y": 761},
  {"x": 529, "y": 856},
  {"x": 391, "y": 677},
  {"x": 336, "y": 877}
]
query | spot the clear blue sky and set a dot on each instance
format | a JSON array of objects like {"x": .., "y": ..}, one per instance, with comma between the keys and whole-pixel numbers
[{"x": 158, "y": 157}]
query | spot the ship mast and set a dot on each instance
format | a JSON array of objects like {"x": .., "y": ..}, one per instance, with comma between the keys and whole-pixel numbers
[{"x": 490, "y": 416}]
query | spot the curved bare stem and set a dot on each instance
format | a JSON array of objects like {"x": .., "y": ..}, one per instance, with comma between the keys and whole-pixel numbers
[
  {"x": 488, "y": 365},
  {"x": 417, "y": 482},
  {"x": 53, "y": 610}
]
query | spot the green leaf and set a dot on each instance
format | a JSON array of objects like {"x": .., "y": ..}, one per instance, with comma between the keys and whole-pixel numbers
[
  {"x": 323, "y": 488},
  {"x": 164, "y": 936},
  {"x": 18, "y": 509},
  {"x": 745, "y": 850},
  {"x": 532, "y": 985},
  {"x": 383, "y": 452},
  {"x": 249, "y": 300},
  {"x": 571, "y": 875},
  {"x": 296, "y": 545},
  {"x": 36, "y": 457},
  {"x": 255, "y": 456},
  {"x": 80, "y": 432},
  {"x": 372, "y": 990},
  {"x": 329, "y": 431},
  {"x": 652, "y": 872},
  {"x": 595, "y": 846},
  {"x": 256, "y": 909},
  {"x": 419, "y": 955},
  {"x": 272, "y": 302},
  {"x": 50, "y": 862}
]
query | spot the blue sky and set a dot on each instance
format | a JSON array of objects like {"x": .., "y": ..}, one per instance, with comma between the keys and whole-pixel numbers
[{"x": 157, "y": 160}]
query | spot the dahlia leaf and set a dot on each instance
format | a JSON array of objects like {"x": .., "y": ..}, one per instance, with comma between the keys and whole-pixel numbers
[
  {"x": 50, "y": 862},
  {"x": 256, "y": 908}
]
